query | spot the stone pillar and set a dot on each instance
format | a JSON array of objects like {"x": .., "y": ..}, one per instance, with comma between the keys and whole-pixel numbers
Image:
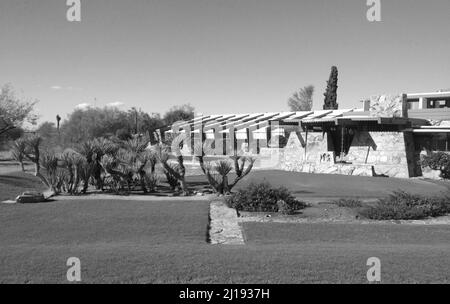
[
  {"x": 252, "y": 141},
  {"x": 218, "y": 141}
]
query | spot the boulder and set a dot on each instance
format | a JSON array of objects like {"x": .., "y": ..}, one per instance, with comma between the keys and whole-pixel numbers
[{"x": 30, "y": 198}]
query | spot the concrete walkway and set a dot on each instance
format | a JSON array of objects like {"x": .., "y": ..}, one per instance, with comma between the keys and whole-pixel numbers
[{"x": 224, "y": 225}]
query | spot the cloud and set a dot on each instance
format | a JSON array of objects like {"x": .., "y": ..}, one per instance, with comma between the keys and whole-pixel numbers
[
  {"x": 116, "y": 104},
  {"x": 59, "y": 88},
  {"x": 82, "y": 106}
]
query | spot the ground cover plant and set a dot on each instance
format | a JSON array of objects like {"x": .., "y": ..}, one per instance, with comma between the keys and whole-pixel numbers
[
  {"x": 348, "y": 203},
  {"x": 405, "y": 206}
]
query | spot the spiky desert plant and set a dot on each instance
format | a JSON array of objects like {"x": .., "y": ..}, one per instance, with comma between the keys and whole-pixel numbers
[
  {"x": 144, "y": 168},
  {"x": 93, "y": 151},
  {"x": 141, "y": 160},
  {"x": 173, "y": 171},
  {"x": 151, "y": 180},
  {"x": 49, "y": 162},
  {"x": 114, "y": 173},
  {"x": 223, "y": 168},
  {"x": 200, "y": 151},
  {"x": 217, "y": 174},
  {"x": 239, "y": 167},
  {"x": 75, "y": 165}
]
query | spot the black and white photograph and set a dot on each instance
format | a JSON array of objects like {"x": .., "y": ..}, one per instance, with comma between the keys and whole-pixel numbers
[{"x": 246, "y": 144}]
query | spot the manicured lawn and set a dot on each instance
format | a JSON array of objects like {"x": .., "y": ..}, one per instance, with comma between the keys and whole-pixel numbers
[
  {"x": 13, "y": 184},
  {"x": 301, "y": 184},
  {"x": 323, "y": 185},
  {"x": 165, "y": 242}
]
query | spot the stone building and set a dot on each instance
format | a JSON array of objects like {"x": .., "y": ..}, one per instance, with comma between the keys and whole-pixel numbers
[{"x": 384, "y": 137}]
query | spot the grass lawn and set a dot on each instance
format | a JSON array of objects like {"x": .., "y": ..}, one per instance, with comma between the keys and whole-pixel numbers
[
  {"x": 165, "y": 242},
  {"x": 335, "y": 186},
  {"x": 13, "y": 184}
]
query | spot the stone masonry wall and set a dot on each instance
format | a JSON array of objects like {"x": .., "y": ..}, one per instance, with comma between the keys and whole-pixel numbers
[
  {"x": 303, "y": 154},
  {"x": 385, "y": 151},
  {"x": 387, "y": 106}
]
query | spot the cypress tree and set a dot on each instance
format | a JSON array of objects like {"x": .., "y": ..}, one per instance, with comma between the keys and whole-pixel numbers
[{"x": 330, "y": 102}]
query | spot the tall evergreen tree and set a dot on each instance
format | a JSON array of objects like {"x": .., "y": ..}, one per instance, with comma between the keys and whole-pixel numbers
[{"x": 331, "y": 92}]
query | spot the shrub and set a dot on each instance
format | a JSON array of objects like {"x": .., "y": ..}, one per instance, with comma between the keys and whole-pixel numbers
[
  {"x": 348, "y": 203},
  {"x": 438, "y": 161},
  {"x": 263, "y": 197},
  {"x": 285, "y": 208},
  {"x": 404, "y": 206},
  {"x": 124, "y": 134}
]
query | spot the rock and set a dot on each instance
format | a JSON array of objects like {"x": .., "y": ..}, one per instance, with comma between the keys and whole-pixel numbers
[
  {"x": 30, "y": 198},
  {"x": 432, "y": 174}
]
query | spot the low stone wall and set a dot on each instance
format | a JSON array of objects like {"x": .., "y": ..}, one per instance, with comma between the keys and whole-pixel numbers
[{"x": 224, "y": 227}]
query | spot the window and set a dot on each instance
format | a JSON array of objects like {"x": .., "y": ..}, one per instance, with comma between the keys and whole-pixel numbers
[{"x": 433, "y": 142}]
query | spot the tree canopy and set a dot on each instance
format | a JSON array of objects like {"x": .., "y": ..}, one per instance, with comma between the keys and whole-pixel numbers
[
  {"x": 302, "y": 100},
  {"x": 177, "y": 113},
  {"x": 93, "y": 122},
  {"x": 14, "y": 111}
]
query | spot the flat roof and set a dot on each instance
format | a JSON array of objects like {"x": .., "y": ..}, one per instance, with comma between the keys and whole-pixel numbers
[{"x": 445, "y": 94}]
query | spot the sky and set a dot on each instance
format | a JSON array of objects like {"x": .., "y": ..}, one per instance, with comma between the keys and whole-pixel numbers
[{"x": 221, "y": 56}]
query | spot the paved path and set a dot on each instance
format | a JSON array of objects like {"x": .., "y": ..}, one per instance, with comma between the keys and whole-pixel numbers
[{"x": 224, "y": 225}]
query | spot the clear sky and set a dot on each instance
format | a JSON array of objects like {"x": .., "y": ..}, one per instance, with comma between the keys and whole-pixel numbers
[{"x": 219, "y": 55}]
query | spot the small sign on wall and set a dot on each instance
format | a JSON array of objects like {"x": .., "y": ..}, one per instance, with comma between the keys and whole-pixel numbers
[{"x": 327, "y": 157}]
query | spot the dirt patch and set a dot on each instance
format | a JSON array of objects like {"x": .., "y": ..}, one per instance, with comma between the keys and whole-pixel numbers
[{"x": 326, "y": 212}]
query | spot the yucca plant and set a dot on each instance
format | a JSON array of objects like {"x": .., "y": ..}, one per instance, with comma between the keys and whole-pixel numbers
[
  {"x": 219, "y": 181},
  {"x": 200, "y": 151}
]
